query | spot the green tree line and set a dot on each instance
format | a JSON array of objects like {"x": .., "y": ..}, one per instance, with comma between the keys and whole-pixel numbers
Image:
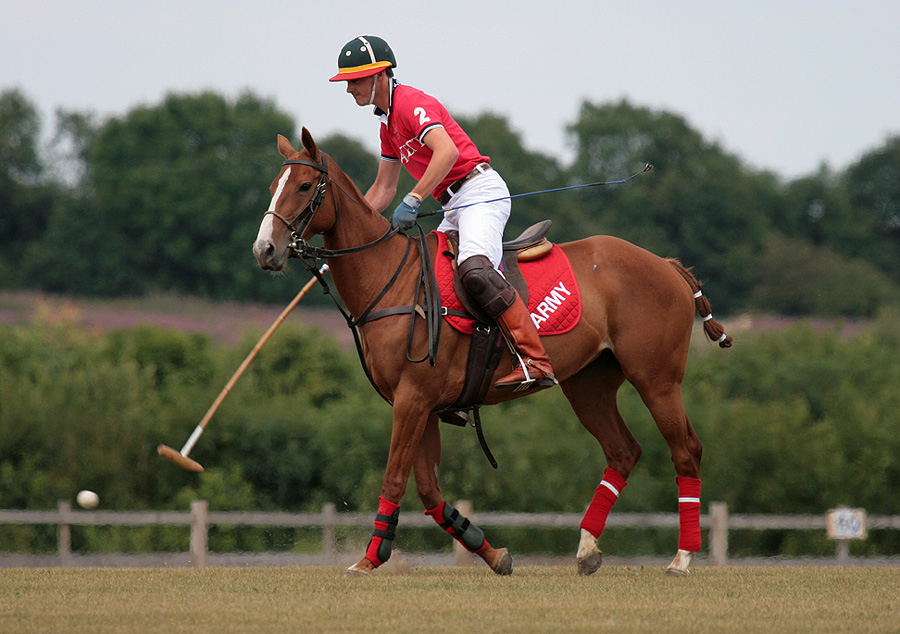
[
  {"x": 816, "y": 427},
  {"x": 168, "y": 197}
]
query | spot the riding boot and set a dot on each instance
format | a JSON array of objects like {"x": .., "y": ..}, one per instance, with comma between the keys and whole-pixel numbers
[{"x": 533, "y": 370}]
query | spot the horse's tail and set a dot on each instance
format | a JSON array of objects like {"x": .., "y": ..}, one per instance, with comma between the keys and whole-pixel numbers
[{"x": 713, "y": 329}]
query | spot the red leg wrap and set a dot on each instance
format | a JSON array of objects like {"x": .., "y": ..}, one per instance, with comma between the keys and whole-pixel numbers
[
  {"x": 604, "y": 497},
  {"x": 689, "y": 513},
  {"x": 379, "y": 550}
]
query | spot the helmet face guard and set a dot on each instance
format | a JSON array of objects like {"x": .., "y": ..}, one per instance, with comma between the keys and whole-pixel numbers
[{"x": 364, "y": 56}]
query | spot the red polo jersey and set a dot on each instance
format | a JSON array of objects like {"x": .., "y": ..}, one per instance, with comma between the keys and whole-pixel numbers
[{"x": 412, "y": 114}]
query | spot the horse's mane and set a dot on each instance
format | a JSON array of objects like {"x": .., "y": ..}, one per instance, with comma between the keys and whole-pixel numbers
[{"x": 347, "y": 186}]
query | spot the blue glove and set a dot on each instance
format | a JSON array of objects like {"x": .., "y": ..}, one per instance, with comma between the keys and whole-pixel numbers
[{"x": 405, "y": 214}]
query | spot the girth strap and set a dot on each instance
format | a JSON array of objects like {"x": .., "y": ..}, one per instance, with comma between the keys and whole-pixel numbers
[{"x": 485, "y": 351}]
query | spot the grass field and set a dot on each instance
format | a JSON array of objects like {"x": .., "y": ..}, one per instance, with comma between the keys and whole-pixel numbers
[{"x": 618, "y": 599}]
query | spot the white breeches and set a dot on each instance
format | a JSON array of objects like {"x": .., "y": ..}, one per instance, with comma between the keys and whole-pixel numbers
[{"x": 481, "y": 225}]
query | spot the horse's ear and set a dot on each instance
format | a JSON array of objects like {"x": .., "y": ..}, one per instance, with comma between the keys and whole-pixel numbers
[
  {"x": 285, "y": 147},
  {"x": 310, "y": 144}
]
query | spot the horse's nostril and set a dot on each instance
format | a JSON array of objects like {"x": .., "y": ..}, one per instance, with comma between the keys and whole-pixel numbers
[{"x": 264, "y": 250}]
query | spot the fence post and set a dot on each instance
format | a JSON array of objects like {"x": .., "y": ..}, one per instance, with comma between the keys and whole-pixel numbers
[
  {"x": 199, "y": 532},
  {"x": 718, "y": 533},
  {"x": 462, "y": 556},
  {"x": 64, "y": 534},
  {"x": 842, "y": 552},
  {"x": 328, "y": 542}
]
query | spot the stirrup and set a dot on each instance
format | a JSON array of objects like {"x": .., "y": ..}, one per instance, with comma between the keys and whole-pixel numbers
[
  {"x": 532, "y": 384},
  {"x": 539, "y": 381}
]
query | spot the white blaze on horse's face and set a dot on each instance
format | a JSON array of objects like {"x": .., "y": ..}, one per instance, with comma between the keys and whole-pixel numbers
[{"x": 267, "y": 228}]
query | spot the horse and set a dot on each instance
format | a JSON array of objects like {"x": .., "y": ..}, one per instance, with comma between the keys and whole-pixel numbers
[{"x": 636, "y": 324}]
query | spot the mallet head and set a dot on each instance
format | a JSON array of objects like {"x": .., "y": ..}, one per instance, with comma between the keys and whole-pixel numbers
[{"x": 181, "y": 460}]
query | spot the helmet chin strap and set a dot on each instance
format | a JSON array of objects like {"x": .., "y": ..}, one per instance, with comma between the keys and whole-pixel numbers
[{"x": 372, "y": 96}]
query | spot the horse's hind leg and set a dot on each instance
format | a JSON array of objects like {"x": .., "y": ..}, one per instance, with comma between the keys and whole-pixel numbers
[
  {"x": 666, "y": 406},
  {"x": 426, "y": 469},
  {"x": 592, "y": 394}
]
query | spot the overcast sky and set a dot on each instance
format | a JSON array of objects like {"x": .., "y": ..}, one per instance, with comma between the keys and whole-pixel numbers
[{"x": 785, "y": 85}]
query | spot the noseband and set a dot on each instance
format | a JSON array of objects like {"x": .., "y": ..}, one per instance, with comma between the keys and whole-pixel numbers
[{"x": 299, "y": 224}]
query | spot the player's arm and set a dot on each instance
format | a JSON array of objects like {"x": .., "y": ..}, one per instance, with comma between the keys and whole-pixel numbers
[
  {"x": 443, "y": 158},
  {"x": 444, "y": 155},
  {"x": 383, "y": 190}
]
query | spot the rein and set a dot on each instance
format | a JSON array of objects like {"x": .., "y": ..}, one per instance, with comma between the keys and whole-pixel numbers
[
  {"x": 620, "y": 181},
  {"x": 302, "y": 249}
]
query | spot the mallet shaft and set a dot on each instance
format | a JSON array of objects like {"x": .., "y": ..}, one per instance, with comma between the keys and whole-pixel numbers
[
  {"x": 259, "y": 344},
  {"x": 182, "y": 459}
]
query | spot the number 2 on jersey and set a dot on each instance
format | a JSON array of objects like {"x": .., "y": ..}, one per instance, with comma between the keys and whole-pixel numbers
[{"x": 423, "y": 117}]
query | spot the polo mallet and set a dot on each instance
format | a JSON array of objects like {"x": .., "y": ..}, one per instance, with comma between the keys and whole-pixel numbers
[{"x": 181, "y": 458}]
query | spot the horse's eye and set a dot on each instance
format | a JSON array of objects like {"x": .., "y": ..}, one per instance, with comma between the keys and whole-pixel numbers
[{"x": 305, "y": 187}]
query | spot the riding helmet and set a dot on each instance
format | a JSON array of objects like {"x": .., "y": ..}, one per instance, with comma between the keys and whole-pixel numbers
[{"x": 364, "y": 56}]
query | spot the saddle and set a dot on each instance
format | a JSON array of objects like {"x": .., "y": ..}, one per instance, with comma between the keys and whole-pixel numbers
[{"x": 530, "y": 245}]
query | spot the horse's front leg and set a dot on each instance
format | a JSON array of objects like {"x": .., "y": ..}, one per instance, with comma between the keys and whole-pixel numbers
[
  {"x": 427, "y": 468},
  {"x": 410, "y": 417}
]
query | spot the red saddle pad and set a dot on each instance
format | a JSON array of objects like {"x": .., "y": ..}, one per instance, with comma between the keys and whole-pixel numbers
[{"x": 553, "y": 298}]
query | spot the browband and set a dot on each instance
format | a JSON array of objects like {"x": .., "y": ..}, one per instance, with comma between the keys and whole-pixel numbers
[{"x": 322, "y": 168}]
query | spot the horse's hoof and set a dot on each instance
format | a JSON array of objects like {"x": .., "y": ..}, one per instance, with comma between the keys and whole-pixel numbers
[
  {"x": 679, "y": 565},
  {"x": 589, "y": 557},
  {"x": 353, "y": 571},
  {"x": 675, "y": 572},
  {"x": 590, "y": 564},
  {"x": 362, "y": 568},
  {"x": 504, "y": 565}
]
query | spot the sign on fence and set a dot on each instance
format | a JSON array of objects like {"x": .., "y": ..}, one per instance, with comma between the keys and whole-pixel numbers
[{"x": 843, "y": 523}]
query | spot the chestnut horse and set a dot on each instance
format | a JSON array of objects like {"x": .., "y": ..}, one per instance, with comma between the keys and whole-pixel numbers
[{"x": 637, "y": 317}]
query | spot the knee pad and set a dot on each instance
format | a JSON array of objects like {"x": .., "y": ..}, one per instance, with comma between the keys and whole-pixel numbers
[{"x": 486, "y": 285}]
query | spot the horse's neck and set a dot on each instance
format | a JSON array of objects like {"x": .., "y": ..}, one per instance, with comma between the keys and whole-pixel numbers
[{"x": 360, "y": 277}]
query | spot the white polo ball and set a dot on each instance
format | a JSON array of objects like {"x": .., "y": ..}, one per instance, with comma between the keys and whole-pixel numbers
[{"x": 87, "y": 499}]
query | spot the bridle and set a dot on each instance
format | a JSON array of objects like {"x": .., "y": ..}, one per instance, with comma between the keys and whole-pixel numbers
[
  {"x": 299, "y": 224},
  {"x": 300, "y": 247}
]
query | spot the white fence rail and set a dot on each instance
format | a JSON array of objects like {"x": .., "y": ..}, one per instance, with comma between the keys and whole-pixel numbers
[{"x": 718, "y": 520}]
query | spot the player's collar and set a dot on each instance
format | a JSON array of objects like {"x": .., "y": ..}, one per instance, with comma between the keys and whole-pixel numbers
[{"x": 381, "y": 113}]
